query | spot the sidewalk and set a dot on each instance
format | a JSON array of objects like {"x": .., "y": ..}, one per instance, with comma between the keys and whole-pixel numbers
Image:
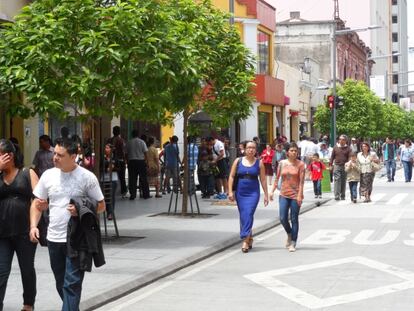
[{"x": 150, "y": 248}]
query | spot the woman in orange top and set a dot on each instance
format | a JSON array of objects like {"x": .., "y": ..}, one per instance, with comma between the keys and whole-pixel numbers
[
  {"x": 267, "y": 156},
  {"x": 292, "y": 173}
]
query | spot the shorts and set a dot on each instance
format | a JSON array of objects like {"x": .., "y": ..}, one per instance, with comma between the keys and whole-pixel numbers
[{"x": 223, "y": 168}]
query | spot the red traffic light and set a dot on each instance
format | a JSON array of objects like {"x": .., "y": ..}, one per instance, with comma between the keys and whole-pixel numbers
[{"x": 331, "y": 101}]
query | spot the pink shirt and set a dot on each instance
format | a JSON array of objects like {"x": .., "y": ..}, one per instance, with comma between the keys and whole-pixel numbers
[{"x": 293, "y": 178}]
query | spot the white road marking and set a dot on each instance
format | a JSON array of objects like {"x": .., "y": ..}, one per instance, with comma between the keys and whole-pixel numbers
[
  {"x": 118, "y": 305},
  {"x": 393, "y": 217},
  {"x": 397, "y": 199},
  {"x": 268, "y": 280}
]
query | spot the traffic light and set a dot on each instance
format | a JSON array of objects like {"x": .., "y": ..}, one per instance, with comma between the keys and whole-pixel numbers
[{"x": 331, "y": 101}]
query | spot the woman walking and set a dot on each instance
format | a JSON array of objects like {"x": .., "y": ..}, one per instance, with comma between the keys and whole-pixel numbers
[
  {"x": 109, "y": 179},
  {"x": 267, "y": 156},
  {"x": 244, "y": 180},
  {"x": 405, "y": 155},
  {"x": 16, "y": 186},
  {"x": 367, "y": 161},
  {"x": 292, "y": 175}
]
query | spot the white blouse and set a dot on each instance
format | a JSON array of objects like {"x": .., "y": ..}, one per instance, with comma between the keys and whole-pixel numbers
[{"x": 365, "y": 161}]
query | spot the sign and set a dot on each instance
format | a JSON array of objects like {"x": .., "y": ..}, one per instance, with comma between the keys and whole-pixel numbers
[{"x": 377, "y": 85}]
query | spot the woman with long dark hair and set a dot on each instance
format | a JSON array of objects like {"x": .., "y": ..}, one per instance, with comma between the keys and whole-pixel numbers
[
  {"x": 16, "y": 186},
  {"x": 291, "y": 173}
]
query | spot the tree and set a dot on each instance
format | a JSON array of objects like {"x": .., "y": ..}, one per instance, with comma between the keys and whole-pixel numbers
[{"x": 142, "y": 59}]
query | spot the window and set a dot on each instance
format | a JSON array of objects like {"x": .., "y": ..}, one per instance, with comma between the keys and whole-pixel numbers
[
  {"x": 395, "y": 59},
  {"x": 395, "y": 79},
  {"x": 394, "y": 2},
  {"x": 394, "y": 37},
  {"x": 263, "y": 51},
  {"x": 395, "y": 19}
]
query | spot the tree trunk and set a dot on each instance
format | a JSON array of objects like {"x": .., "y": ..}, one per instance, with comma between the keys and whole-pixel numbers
[{"x": 185, "y": 163}]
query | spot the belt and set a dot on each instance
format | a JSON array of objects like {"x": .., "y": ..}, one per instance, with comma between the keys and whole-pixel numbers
[{"x": 247, "y": 176}]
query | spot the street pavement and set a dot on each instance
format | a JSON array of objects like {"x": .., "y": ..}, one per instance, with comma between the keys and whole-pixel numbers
[
  {"x": 151, "y": 247},
  {"x": 349, "y": 257}
]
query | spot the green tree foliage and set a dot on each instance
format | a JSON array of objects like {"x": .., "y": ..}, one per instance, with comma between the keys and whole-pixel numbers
[
  {"x": 364, "y": 115},
  {"x": 135, "y": 58}
]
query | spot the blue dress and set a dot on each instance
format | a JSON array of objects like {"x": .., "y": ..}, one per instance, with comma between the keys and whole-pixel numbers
[{"x": 247, "y": 196}]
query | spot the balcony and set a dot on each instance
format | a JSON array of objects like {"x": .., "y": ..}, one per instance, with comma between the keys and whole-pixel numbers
[{"x": 270, "y": 90}]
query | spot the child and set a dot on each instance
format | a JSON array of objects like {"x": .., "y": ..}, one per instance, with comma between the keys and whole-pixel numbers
[
  {"x": 316, "y": 168},
  {"x": 205, "y": 175},
  {"x": 353, "y": 175}
]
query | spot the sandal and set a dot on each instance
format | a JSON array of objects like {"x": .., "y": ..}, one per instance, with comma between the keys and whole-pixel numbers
[
  {"x": 250, "y": 243},
  {"x": 245, "y": 245}
]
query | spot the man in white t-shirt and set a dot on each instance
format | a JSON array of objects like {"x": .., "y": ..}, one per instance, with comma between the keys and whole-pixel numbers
[
  {"x": 65, "y": 181},
  {"x": 219, "y": 157}
]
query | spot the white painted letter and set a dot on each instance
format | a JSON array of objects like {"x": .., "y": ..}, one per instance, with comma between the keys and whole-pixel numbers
[
  {"x": 327, "y": 237},
  {"x": 364, "y": 235},
  {"x": 410, "y": 242}
]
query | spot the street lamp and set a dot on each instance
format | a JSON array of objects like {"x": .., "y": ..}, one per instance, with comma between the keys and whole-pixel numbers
[
  {"x": 231, "y": 10},
  {"x": 334, "y": 34}
]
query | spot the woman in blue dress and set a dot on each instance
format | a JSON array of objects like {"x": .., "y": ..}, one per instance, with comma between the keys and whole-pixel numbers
[{"x": 245, "y": 189}]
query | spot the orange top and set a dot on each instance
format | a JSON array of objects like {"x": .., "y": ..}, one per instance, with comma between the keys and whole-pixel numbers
[{"x": 293, "y": 179}]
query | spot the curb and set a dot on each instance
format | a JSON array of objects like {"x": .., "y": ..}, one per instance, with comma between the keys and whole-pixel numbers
[{"x": 153, "y": 276}]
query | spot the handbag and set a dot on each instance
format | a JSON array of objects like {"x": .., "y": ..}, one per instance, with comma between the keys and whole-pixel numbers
[
  {"x": 375, "y": 166},
  {"x": 236, "y": 177}
]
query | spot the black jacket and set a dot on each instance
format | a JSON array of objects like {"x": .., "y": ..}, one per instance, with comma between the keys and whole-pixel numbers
[{"x": 84, "y": 235}]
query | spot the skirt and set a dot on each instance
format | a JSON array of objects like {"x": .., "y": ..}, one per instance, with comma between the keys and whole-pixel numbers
[{"x": 367, "y": 180}]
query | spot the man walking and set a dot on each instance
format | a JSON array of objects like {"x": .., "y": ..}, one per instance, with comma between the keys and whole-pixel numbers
[
  {"x": 59, "y": 185},
  {"x": 119, "y": 155},
  {"x": 390, "y": 156},
  {"x": 340, "y": 155},
  {"x": 43, "y": 158},
  {"x": 137, "y": 156}
]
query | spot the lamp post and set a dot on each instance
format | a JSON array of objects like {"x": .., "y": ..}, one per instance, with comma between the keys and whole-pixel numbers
[
  {"x": 231, "y": 10},
  {"x": 336, "y": 33}
]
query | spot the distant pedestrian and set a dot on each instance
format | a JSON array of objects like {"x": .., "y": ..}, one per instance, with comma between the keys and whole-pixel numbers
[
  {"x": 267, "y": 157},
  {"x": 16, "y": 186},
  {"x": 137, "y": 154},
  {"x": 406, "y": 155},
  {"x": 316, "y": 168},
  {"x": 43, "y": 158},
  {"x": 219, "y": 155},
  {"x": 340, "y": 155},
  {"x": 109, "y": 178},
  {"x": 173, "y": 163},
  {"x": 119, "y": 155},
  {"x": 192, "y": 157},
  {"x": 389, "y": 152},
  {"x": 205, "y": 175},
  {"x": 353, "y": 176},
  {"x": 354, "y": 145},
  {"x": 291, "y": 173},
  {"x": 366, "y": 159},
  {"x": 153, "y": 164},
  {"x": 279, "y": 155},
  {"x": 244, "y": 178},
  {"x": 55, "y": 190}
]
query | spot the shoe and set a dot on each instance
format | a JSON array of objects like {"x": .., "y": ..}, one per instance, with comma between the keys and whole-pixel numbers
[
  {"x": 164, "y": 192},
  {"x": 223, "y": 196},
  {"x": 292, "y": 247},
  {"x": 217, "y": 197},
  {"x": 337, "y": 199},
  {"x": 245, "y": 245},
  {"x": 316, "y": 196},
  {"x": 342, "y": 199},
  {"x": 320, "y": 197},
  {"x": 131, "y": 198},
  {"x": 110, "y": 217},
  {"x": 289, "y": 240},
  {"x": 124, "y": 194},
  {"x": 250, "y": 243},
  {"x": 158, "y": 196},
  {"x": 354, "y": 200}
]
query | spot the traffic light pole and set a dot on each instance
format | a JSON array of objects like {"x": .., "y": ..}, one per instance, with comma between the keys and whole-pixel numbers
[{"x": 332, "y": 134}]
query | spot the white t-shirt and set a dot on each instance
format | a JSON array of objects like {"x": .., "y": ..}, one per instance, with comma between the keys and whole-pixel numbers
[
  {"x": 59, "y": 187},
  {"x": 218, "y": 146}
]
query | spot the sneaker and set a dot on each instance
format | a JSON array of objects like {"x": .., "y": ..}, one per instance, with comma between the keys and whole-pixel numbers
[
  {"x": 320, "y": 197},
  {"x": 292, "y": 247},
  {"x": 217, "y": 196},
  {"x": 316, "y": 196},
  {"x": 337, "y": 199},
  {"x": 223, "y": 196}
]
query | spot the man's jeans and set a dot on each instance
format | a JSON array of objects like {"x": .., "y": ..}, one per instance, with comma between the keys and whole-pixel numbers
[
  {"x": 391, "y": 166},
  {"x": 284, "y": 205},
  {"x": 317, "y": 187},
  {"x": 353, "y": 188},
  {"x": 67, "y": 274},
  {"x": 408, "y": 170},
  {"x": 339, "y": 175}
]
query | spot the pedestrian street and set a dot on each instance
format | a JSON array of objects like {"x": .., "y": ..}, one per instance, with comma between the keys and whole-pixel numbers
[{"x": 349, "y": 257}]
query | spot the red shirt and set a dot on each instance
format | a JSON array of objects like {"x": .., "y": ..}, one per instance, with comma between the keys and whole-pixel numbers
[
  {"x": 267, "y": 156},
  {"x": 316, "y": 169}
]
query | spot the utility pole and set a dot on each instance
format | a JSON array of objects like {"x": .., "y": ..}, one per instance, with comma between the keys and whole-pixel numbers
[{"x": 231, "y": 10}]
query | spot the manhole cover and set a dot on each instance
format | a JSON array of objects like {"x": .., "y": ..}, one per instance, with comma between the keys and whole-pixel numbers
[
  {"x": 179, "y": 215},
  {"x": 121, "y": 240}
]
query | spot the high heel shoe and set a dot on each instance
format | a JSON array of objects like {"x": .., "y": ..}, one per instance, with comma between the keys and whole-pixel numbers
[
  {"x": 250, "y": 243},
  {"x": 245, "y": 245}
]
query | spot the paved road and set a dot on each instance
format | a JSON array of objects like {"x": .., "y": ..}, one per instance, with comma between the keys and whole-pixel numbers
[{"x": 349, "y": 257}]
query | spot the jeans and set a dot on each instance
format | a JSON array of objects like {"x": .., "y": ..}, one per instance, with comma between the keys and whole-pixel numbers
[
  {"x": 25, "y": 251},
  {"x": 408, "y": 170},
  {"x": 317, "y": 187},
  {"x": 391, "y": 166},
  {"x": 206, "y": 184},
  {"x": 353, "y": 188},
  {"x": 339, "y": 175},
  {"x": 284, "y": 205},
  {"x": 67, "y": 274}
]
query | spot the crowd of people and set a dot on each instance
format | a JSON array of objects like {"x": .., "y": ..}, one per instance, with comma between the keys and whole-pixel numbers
[{"x": 63, "y": 173}]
